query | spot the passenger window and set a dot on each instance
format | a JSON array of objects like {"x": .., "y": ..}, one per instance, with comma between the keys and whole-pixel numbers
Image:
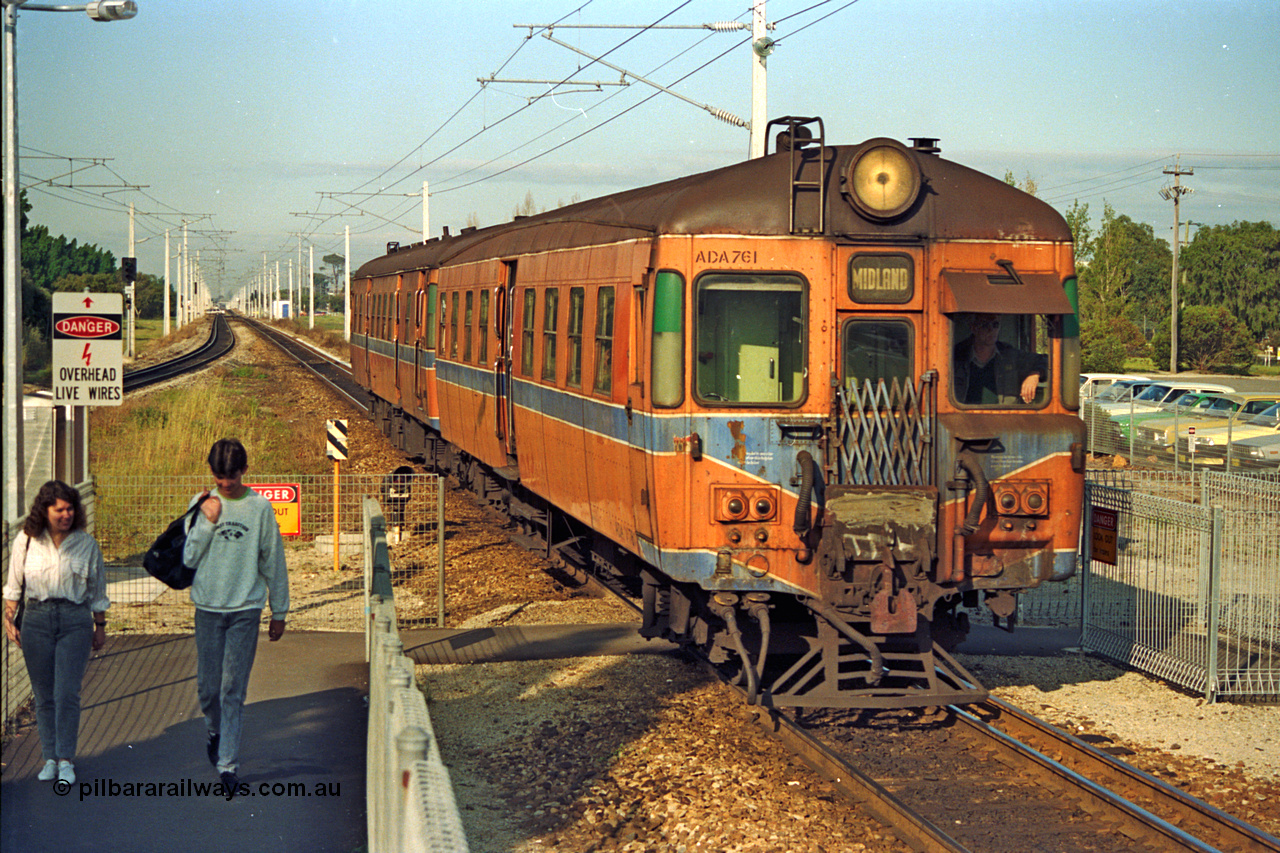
[
  {"x": 573, "y": 371},
  {"x": 453, "y": 325},
  {"x": 550, "y": 306},
  {"x": 443, "y": 318},
  {"x": 482, "y": 329},
  {"x": 668, "y": 339},
  {"x": 431, "y": 316},
  {"x": 875, "y": 351},
  {"x": 604, "y": 341},
  {"x": 526, "y": 331},
  {"x": 466, "y": 328},
  {"x": 1000, "y": 359},
  {"x": 750, "y": 339}
]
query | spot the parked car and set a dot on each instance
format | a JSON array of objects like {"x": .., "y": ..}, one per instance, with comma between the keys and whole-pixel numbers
[
  {"x": 1150, "y": 398},
  {"x": 1261, "y": 451},
  {"x": 1188, "y": 403},
  {"x": 1158, "y": 435},
  {"x": 1211, "y": 443}
]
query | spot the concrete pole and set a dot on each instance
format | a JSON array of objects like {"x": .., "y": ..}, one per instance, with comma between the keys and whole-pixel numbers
[
  {"x": 311, "y": 283},
  {"x": 759, "y": 86},
  {"x": 133, "y": 309},
  {"x": 426, "y": 215},
  {"x": 14, "y": 453},
  {"x": 346, "y": 290},
  {"x": 186, "y": 277},
  {"x": 167, "y": 283}
]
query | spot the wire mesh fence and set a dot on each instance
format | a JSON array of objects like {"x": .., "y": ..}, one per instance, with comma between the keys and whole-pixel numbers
[
  {"x": 126, "y": 514},
  {"x": 1193, "y": 595},
  {"x": 320, "y": 517}
]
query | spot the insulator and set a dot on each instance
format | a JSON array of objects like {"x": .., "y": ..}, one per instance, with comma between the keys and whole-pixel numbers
[
  {"x": 725, "y": 26},
  {"x": 727, "y": 118}
]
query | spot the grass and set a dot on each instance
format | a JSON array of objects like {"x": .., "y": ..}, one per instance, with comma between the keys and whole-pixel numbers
[{"x": 169, "y": 432}]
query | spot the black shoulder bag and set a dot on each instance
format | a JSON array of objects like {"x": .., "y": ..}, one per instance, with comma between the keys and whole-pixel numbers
[{"x": 163, "y": 560}]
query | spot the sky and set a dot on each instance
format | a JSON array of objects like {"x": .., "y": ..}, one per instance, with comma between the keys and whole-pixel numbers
[{"x": 265, "y": 126}]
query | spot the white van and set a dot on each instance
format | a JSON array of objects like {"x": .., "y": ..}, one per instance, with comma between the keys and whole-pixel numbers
[{"x": 1092, "y": 383}]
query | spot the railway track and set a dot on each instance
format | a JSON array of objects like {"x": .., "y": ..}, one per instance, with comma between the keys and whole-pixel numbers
[
  {"x": 994, "y": 778},
  {"x": 326, "y": 368},
  {"x": 986, "y": 778},
  {"x": 221, "y": 341}
]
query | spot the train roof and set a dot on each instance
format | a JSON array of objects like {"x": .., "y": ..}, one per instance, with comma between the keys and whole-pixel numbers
[{"x": 754, "y": 197}]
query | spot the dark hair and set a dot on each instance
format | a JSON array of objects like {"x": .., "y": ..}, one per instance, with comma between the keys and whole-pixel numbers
[
  {"x": 50, "y": 493},
  {"x": 227, "y": 457}
]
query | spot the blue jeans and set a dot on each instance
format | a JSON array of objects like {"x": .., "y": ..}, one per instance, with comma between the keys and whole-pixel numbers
[
  {"x": 225, "y": 646},
  {"x": 57, "y": 639}
]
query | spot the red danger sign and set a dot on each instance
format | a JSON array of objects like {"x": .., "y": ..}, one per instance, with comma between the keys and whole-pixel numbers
[
  {"x": 285, "y": 493},
  {"x": 286, "y": 500},
  {"x": 86, "y": 327}
]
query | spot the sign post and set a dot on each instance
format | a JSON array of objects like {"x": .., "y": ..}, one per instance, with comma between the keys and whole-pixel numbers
[
  {"x": 336, "y": 449},
  {"x": 88, "y": 362}
]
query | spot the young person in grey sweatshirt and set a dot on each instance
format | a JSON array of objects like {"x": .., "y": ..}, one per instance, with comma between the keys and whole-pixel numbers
[{"x": 236, "y": 548}]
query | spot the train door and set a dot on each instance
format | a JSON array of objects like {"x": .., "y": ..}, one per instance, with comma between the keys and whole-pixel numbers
[
  {"x": 639, "y": 423},
  {"x": 366, "y": 299},
  {"x": 397, "y": 334},
  {"x": 504, "y": 327},
  {"x": 886, "y": 429}
]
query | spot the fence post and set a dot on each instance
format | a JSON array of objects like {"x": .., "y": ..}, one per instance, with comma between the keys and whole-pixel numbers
[
  {"x": 1086, "y": 557},
  {"x": 1215, "y": 580},
  {"x": 411, "y": 747},
  {"x": 439, "y": 551}
]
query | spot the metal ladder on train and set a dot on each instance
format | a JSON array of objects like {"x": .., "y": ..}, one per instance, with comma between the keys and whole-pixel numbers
[{"x": 806, "y": 172}]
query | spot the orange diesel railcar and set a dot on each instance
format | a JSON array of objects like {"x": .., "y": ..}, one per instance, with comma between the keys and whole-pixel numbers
[{"x": 813, "y": 407}]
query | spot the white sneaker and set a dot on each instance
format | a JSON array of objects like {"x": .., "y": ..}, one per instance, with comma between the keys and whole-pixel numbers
[
  {"x": 49, "y": 770},
  {"x": 66, "y": 772}
]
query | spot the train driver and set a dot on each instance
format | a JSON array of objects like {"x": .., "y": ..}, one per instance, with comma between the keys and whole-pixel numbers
[{"x": 988, "y": 371}]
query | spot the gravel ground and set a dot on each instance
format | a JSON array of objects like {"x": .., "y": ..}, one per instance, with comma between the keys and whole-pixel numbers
[{"x": 643, "y": 753}]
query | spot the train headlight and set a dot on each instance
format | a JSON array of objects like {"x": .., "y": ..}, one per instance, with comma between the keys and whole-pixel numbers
[
  {"x": 1021, "y": 497},
  {"x": 763, "y": 506},
  {"x": 883, "y": 179},
  {"x": 733, "y": 504}
]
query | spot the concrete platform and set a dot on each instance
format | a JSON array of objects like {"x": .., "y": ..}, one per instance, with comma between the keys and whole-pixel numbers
[{"x": 142, "y": 756}]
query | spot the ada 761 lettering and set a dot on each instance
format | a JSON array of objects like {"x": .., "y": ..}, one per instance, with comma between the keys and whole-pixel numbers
[{"x": 727, "y": 257}]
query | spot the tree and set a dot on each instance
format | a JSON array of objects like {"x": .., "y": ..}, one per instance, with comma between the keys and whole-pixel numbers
[
  {"x": 1236, "y": 266},
  {"x": 1081, "y": 235},
  {"x": 1127, "y": 273},
  {"x": 336, "y": 263},
  {"x": 1100, "y": 350},
  {"x": 1028, "y": 186},
  {"x": 527, "y": 207},
  {"x": 1208, "y": 337}
]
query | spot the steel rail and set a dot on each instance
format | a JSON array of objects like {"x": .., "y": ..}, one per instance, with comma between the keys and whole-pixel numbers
[
  {"x": 1229, "y": 832},
  {"x": 221, "y": 341},
  {"x": 308, "y": 356}
]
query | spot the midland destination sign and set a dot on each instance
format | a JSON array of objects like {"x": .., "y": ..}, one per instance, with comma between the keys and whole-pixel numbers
[{"x": 88, "y": 349}]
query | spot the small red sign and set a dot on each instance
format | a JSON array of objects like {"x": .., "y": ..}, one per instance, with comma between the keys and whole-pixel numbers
[
  {"x": 278, "y": 492},
  {"x": 87, "y": 327}
]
